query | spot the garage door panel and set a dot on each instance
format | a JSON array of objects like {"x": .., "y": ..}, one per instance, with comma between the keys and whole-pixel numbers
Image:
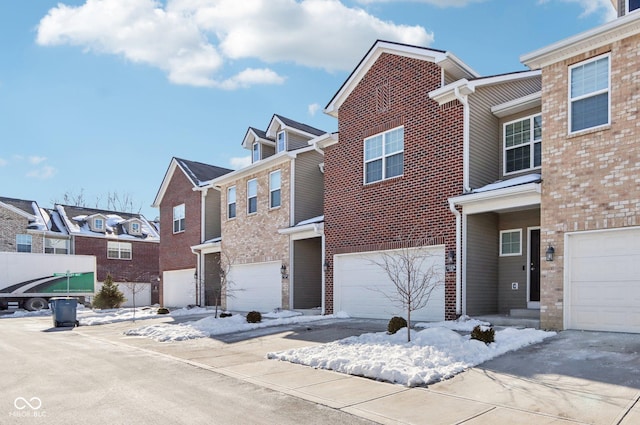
[
  {"x": 604, "y": 280},
  {"x": 361, "y": 287},
  {"x": 255, "y": 286},
  {"x": 179, "y": 288}
]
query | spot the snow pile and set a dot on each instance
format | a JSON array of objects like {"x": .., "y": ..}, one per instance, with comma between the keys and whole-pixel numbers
[
  {"x": 210, "y": 326},
  {"x": 462, "y": 324},
  {"x": 433, "y": 354},
  {"x": 88, "y": 317}
]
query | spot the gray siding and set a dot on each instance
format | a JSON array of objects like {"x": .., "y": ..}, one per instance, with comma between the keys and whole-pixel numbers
[
  {"x": 296, "y": 141},
  {"x": 515, "y": 268},
  {"x": 507, "y": 119},
  {"x": 484, "y": 129},
  {"x": 211, "y": 279},
  {"x": 308, "y": 186},
  {"x": 266, "y": 151},
  {"x": 482, "y": 264},
  {"x": 212, "y": 215},
  {"x": 307, "y": 273}
]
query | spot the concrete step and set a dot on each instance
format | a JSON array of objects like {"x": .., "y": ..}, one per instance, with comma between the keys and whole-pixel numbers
[
  {"x": 525, "y": 313},
  {"x": 506, "y": 320}
]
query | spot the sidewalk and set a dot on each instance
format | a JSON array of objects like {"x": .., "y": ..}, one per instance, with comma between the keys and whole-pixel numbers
[{"x": 575, "y": 377}]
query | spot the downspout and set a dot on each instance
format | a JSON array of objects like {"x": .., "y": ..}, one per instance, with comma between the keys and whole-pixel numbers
[
  {"x": 465, "y": 138},
  {"x": 455, "y": 212}
]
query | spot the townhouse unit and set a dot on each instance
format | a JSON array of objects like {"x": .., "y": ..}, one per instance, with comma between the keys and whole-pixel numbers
[
  {"x": 125, "y": 245},
  {"x": 418, "y": 129},
  {"x": 591, "y": 176},
  {"x": 189, "y": 231},
  {"x": 272, "y": 245}
]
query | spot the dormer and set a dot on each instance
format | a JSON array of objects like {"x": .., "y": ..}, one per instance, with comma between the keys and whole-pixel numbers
[
  {"x": 97, "y": 223},
  {"x": 133, "y": 226},
  {"x": 289, "y": 134},
  {"x": 259, "y": 144}
]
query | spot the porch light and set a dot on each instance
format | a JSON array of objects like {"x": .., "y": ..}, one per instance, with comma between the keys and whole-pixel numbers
[
  {"x": 283, "y": 271},
  {"x": 326, "y": 266},
  {"x": 549, "y": 253}
]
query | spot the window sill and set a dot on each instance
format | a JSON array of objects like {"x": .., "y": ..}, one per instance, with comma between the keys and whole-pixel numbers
[
  {"x": 390, "y": 180},
  {"x": 584, "y": 132}
]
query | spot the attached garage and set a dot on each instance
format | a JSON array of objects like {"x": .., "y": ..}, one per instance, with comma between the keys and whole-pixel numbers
[
  {"x": 179, "y": 288},
  {"x": 602, "y": 280},
  {"x": 360, "y": 286},
  {"x": 255, "y": 286}
]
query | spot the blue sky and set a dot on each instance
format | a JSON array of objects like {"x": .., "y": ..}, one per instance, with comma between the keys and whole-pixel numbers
[{"x": 97, "y": 96}]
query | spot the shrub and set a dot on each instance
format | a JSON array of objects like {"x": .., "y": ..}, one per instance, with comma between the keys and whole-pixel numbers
[
  {"x": 254, "y": 317},
  {"x": 223, "y": 315},
  {"x": 109, "y": 296},
  {"x": 163, "y": 310},
  {"x": 395, "y": 324},
  {"x": 485, "y": 335}
]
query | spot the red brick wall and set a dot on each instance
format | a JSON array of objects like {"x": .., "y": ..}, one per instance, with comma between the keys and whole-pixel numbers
[
  {"x": 143, "y": 266},
  {"x": 411, "y": 206},
  {"x": 175, "y": 248}
]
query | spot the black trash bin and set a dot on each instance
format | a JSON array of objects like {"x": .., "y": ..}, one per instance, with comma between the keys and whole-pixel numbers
[{"x": 63, "y": 311}]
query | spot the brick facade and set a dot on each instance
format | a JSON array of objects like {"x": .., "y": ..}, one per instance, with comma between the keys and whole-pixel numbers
[
  {"x": 414, "y": 206},
  {"x": 12, "y": 224},
  {"x": 591, "y": 180}
]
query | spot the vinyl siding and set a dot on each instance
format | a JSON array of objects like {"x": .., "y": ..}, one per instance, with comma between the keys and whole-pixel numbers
[
  {"x": 212, "y": 215},
  {"x": 266, "y": 151},
  {"x": 308, "y": 186},
  {"x": 484, "y": 131},
  {"x": 307, "y": 273},
  {"x": 211, "y": 278},
  {"x": 502, "y": 121},
  {"x": 516, "y": 268},
  {"x": 296, "y": 141},
  {"x": 481, "y": 264}
]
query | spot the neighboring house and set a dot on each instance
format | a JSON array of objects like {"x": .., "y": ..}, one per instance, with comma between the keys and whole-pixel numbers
[
  {"x": 125, "y": 246},
  {"x": 418, "y": 127},
  {"x": 591, "y": 176},
  {"x": 25, "y": 227},
  {"x": 189, "y": 217},
  {"x": 272, "y": 244}
]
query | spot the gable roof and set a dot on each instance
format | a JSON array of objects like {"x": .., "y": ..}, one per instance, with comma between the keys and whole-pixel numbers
[
  {"x": 40, "y": 219},
  {"x": 24, "y": 207},
  {"x": 295, "y": 125},
  {"x": 269, "y": 135},
  {"x": 446, "y": 60},
  {"x": 198, "y": 174}
]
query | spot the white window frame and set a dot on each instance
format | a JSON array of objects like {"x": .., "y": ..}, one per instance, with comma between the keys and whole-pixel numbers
[
  {"x": 531, "y": 144},
  {"x": 281, "y": 138},
  {"x": 21, "y": 241},
  {"x": 50, "y": 246},
  {"x": 234, "y": 203},
  {"x": 250, "y": 196},
  {"x": 120, "y": 248},
  {"x": 382, "y": 157},
  {"x": 592, "y": 94},
  {"x": 255, "y": 152},
  {"x": 511, "y": 254},
  {"x": 98, "y": 223},
  {"x": 179, "y": 214},
  {"x": 273, "y": 189},
  {"x": 626, "y": 7},
  {"x": 136, "y": 228}
]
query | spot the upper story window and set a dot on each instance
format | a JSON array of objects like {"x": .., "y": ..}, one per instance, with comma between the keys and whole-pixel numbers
[
  {"x": 231, "y": 202},
  {"x": 119, "y": 250},
  {"x": 384, "y": 155},
  {"x": 135, "y": 228},
  {"x": 178, "y": 218},
  {"x": 56, "y": 246},
  {"x": 632, "y": 5},
  {"x": 23, "y": 243},
  {"x": 281, "y": 141},
  {"x": 510, "y": 242},
  {"x": 523, "y": 144},
  {"x": 252, "y": 196},
  {"x": 589, "y": 94},
  {"x": 275, "y": 179},
  {"x": 98, "y": 224},
  {"x": 255, "y": 152}
]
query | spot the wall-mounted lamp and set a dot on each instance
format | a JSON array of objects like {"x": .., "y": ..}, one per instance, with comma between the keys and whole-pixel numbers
[
  {"x": 326, "y": 266},
  {"x": 549, "y": 253},
  {"x": 195, "y": 275},
  {"x": 451, "y": 257},
  {"x": 283, "y": 272}
]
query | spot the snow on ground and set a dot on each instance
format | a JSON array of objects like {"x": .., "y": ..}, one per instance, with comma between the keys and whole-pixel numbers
[
  {"x": 434, "y": 354},
  {"x": 209, "y": 326},
  {"x": 463, "y": 324}
]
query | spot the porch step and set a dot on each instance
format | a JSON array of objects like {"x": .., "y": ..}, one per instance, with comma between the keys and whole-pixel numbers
[
  {"x": 309, "y": 311},
  {"x": 510, "y": 321},
  {"x": 524, "y": 313}
]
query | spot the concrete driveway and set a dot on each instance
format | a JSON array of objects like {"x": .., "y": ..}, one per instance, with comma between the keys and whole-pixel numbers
[{"x": 574, "y": 377}]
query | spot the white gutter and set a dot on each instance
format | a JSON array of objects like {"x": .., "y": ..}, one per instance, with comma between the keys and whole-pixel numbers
[
  {"x": 455, "y": 212},
  {"x": 463, "y": 98}
]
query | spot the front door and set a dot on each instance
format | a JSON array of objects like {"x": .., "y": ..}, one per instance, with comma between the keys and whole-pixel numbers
[{"x": 533, "y": 300}]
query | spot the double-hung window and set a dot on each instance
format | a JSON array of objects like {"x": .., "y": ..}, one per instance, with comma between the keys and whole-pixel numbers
[
  {"x": 119, "y": 250},
  {"x": 633, "y": 5},
  {"x": 384, "y": 155},
  {"x": 23, "y": 243},
  {"x": 56, "y": 246},
  {"x": 510, "y": 242},
  {"x": 523, "y": 144},
  {"x": 589, "y": 100},
  {"x": 178, "y": 218},
  {"x": 98, "y": 223},
  {"x": 255, "y": 152},
  {"x": 281, "y": 142},
  {"x": 275, "y": 182},
  {"x": 231, "y": 202},
  {"x": 252, "y": 196}
]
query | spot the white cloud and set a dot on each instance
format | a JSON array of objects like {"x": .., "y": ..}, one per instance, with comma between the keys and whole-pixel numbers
[
  {"x": 35, "y": 160},
  {"x": 313, "y": 109},
  {"x": 43, "y": 173},
  {"x": 193, "y": 40},
  {"x": 590, "y": 7},
  {"x": 439, "y": 3},
  {"x": 240, "y": 162}
]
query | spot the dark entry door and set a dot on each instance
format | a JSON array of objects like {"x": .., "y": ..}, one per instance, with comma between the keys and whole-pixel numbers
[{"x": 534, "y": 268}]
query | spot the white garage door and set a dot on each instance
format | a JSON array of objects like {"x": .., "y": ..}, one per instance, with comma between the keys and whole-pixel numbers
[
  {"x": 178, "y": 288},
  {"x": 360, "y": 287},
  {"x": 603, "y": 281},
  {"x": 255, "y": 286}
]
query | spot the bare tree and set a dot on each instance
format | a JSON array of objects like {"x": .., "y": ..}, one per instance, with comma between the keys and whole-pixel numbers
[
  {"x": 226, "y": 289},
  {"x": 135, "y": 288},
  {"x": 414, "y": 274},
  {"x": 114, "y": 201}
]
